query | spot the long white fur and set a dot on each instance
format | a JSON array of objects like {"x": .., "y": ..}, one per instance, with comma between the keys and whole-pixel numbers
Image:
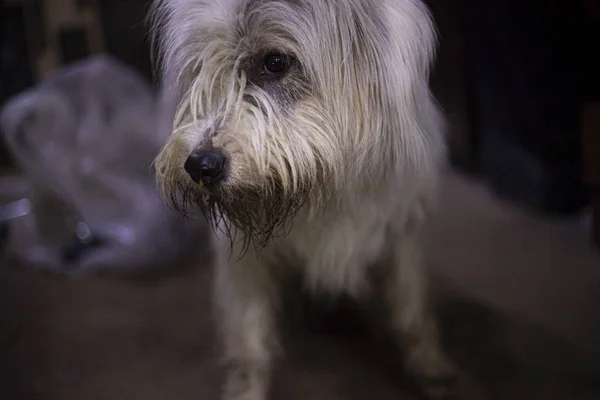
[{"x": 367, "y": 140}]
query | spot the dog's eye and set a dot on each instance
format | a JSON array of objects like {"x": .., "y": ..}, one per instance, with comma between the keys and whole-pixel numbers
[{"x": 276, "y": 64}]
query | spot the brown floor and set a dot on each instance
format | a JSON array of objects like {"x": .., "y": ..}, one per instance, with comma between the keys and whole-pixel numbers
[{"x": 519, "y": 300}]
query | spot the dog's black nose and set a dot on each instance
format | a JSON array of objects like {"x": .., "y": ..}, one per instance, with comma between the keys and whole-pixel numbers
[{"x": 206, "y": 166}]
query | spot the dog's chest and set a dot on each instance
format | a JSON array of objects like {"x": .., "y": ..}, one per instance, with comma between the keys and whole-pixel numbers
[{"x": 337, "y": 250}]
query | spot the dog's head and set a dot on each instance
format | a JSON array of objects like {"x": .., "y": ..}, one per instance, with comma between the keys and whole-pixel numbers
[{"x": 285, "y": 103}]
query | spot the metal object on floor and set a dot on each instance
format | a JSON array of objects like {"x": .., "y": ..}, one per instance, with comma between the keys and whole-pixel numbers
[
  {"x": 84, "y": 139},
  {"x": 9, "y": 212}
]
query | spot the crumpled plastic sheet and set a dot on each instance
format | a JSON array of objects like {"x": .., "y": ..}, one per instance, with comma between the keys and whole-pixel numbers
[{"x": 85, "y": 139}]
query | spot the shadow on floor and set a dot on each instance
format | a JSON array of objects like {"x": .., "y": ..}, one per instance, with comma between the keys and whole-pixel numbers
[{"x": 99, "y": 338}]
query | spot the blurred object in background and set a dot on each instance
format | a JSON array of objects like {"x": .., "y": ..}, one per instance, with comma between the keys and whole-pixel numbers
[
  {"x": 85, "y": 139},
  {"x": 527, "y": 97},
  {"x": 38, "y": 36},
  {"x": 521, "y": 92},
  {"x": 61, "y": 32}
]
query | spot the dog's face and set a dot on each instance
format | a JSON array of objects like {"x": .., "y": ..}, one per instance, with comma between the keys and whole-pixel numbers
[{"x": 285, "y": 102}]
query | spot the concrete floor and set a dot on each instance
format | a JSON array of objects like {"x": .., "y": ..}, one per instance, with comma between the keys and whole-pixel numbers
[{"x": 518, "y": 302}]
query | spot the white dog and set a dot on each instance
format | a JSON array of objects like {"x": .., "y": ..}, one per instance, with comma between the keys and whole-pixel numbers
[{"x": 307, "y": 133}]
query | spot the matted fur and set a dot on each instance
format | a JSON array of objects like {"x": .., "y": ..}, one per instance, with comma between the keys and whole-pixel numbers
[{"x": 344, "y": 151}]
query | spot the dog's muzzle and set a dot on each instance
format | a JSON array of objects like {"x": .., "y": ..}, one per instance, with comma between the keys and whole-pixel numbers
[{"x": 206, "y": 166}]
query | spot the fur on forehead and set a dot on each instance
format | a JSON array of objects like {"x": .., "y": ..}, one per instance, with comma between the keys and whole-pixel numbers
[
  {"x": 353, "y": 113},
  {"x": 322, "y": 34}
]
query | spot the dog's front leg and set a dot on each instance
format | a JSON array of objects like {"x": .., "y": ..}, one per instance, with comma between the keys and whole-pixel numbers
[
  {"x": 411, "y": 318},
  {"x": 246, "y": 296}
]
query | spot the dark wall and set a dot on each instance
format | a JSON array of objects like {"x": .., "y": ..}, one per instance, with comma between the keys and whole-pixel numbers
[
  {"x": 125, "y": 32},
  {"x": 519, "y": 71},
  {"x": 15, "y": 74}
]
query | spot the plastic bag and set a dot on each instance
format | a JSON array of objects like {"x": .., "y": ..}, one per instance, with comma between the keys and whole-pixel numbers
[{"x": 85, "y": 139}]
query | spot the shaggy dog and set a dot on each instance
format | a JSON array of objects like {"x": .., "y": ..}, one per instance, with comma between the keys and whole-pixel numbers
[{"x": 307, "y": 134}]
